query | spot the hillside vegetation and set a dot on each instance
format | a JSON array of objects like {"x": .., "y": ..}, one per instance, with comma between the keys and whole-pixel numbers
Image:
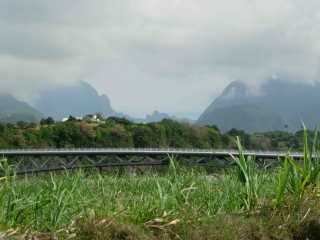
[{"x": 118, "y": 132}]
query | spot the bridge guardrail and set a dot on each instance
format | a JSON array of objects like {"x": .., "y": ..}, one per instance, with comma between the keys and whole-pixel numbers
[{"x": 143, "y": 150}]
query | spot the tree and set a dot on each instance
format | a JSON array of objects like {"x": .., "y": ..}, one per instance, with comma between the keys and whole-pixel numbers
[
  {"x": 100, "y": 116},
  {"x": 118, "y": 120},
  {"x": 245, "y": 138},
  {"x": 71, "y": 119},
  {"x": 22, "y": 124},
  {"x": 47, "y": 121},
  {"x": 143, "y": 137}
]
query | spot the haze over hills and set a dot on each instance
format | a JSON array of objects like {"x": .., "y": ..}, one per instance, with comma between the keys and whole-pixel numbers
[
  {"x": 13, "y": 110},
  {"x": 81, "y": 99},
  {"x": 278, "y": 105},
  {"x": 76, "y": 100},
  {"x": 157, "y": 116}
]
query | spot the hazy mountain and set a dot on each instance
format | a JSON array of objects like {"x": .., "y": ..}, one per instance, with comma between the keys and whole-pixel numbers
[
  {"x": 77, "y": 100},
  {"x": 81, "y": 99},
  {"x": 157, "y": 116},
  {"x": 278, "y": 105},
  {"x": 13, "y": 110}
]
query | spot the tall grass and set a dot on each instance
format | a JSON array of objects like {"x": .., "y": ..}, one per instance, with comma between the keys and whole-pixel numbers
[
  {"x": 247, "y": 175},
  {"x": 296, "y": 176},
  {"x": 51, "y": 202},
  {"x": 6, "y": 171},
  {"x": 48, "y": 203}
]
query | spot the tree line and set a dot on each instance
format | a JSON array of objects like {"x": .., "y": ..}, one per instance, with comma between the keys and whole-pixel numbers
[{"x": 119, "y": 132}]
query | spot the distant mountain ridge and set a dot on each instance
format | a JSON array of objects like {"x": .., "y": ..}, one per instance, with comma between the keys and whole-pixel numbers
[
  {"x": 81, "y": 99},
  {"x": 13, "y": 110},
  {"x": 76, "y": 100},
  {"x": 157, "y": 116},
  {"x": 279, "y": 105},
  {"x": 62, "y": 101}
]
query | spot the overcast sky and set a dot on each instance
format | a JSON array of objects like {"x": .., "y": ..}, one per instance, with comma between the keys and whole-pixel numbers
[{"x": 171, "y": 55}]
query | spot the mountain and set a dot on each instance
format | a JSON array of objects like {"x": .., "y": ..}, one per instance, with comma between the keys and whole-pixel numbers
[
  {"x": 81, "y": 99},
  {"x": 13, "y": 110},
  {"x": 157, "y": 116},
  {"x": 280, "y": 104},
  {"x": 76, "y": 100}
]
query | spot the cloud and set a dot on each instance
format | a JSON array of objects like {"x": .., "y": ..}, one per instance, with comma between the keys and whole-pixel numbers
[{"x": 170, "y": 55}]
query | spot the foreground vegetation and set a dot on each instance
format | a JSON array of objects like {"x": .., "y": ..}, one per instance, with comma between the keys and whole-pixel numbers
[{"x": 241, "y": 203}]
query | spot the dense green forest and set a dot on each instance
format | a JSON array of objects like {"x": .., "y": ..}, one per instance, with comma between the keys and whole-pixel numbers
[{"x": 118, "y": 132}]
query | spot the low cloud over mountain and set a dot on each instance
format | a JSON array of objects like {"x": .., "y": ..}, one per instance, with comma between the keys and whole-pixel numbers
[
  {"x": 170, "y": 55},
  {"x": 280, "y": 104}
]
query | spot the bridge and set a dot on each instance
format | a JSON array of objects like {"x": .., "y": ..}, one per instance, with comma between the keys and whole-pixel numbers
[{"x": 45, "y": 160}]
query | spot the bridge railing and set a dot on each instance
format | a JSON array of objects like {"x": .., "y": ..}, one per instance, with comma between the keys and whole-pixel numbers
[
  {"x": 144, "y": 150},
  {"x": 53, "y": 159}
]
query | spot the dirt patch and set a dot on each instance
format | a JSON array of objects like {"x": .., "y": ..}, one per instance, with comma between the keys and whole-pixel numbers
[
  {"x": 225, "y": 227},
  {"x": 309, "y": 230},
  {"x": 104, "y": 229}
]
